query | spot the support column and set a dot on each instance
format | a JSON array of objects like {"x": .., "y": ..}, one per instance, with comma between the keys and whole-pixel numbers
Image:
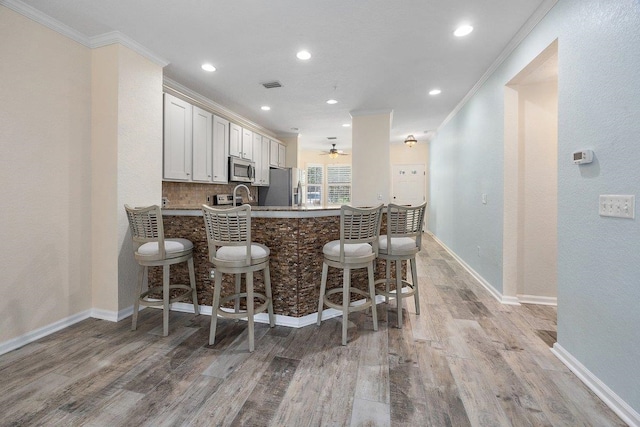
[{"x": 370, "y": 167}]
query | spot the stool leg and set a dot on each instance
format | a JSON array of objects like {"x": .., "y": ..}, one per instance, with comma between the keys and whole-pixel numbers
[
  {"x": 372, "y": 292},
  {"x": 214, "y": 308},
  {"x": 236, "y": 305},
  {"x": 249, "y": 279},
  {"x": 346, "y": 286},
  {"x": 399, "y": 291},
  {"x": 414, "y": 282},
  {"x": 323, "y": 288},
  {"x": 388, "y": 277},
  {"x": 136, "y": 302},
  {"x": 165, "y": 300},
  {"x": 267, "y": 289},
  {"x": 192, "y": 280}
]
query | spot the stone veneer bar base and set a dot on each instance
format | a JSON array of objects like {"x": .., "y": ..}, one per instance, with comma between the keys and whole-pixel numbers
[{"x": 296, "y": 260}]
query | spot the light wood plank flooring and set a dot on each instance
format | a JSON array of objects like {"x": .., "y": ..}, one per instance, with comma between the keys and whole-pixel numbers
[{"x": 466, "y": 360}]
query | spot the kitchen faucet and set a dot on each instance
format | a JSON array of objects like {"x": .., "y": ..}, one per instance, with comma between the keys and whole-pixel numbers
[{"x": 236, "y": 189}]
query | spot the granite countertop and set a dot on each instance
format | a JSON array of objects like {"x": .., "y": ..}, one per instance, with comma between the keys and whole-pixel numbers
[{"x": 305, "y": 211}]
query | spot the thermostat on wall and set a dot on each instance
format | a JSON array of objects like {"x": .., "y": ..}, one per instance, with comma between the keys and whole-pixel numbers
[{"x": 582, "y": 157}]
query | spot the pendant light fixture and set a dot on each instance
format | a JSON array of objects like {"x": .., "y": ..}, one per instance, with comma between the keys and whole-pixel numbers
[{"x": 410, "y": 141}]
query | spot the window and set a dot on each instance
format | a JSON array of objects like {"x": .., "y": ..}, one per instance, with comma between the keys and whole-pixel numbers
[
  {"x": 314, "y": 184},
  {"x": 338, "y": 184}
]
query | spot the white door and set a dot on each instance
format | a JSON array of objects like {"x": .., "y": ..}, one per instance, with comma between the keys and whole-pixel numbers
[{"x": 408, "y": 184}]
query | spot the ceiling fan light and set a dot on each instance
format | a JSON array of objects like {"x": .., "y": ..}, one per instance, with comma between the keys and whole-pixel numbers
[
  {"x": 410, "y": 141},
  {"x": 333, "y": 154}
]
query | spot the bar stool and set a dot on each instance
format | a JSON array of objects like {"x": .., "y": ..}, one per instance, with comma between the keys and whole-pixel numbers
[
  {"x": 357, "y": 248},
  {"x": 152, "y": 249},
  {"x": 232, "y": 251},
  {"x": 401, "y": 243}
]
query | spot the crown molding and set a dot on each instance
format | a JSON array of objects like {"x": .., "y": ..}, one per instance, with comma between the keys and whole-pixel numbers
[
  {"x": 117, "y": 37},
  {"x": 522, "y": 33},
  {"x": 90, "y": 42},
  {"x": 44, "y": 19},
  {"x": 175, "y": 88}
]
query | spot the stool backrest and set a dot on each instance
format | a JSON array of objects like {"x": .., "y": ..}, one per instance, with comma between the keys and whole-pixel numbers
[
  {"x": 405, "y": 221},
  {"x": 146, "y": 226},
  {"x": 228, "y": 227},
  {"x": 359, "y": 225}
]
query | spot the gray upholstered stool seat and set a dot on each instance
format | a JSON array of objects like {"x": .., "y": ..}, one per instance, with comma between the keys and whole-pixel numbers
[
  {"x": 232, "y": 251},
  {"x": 357, "y": 248},
  {"x": 152, "y": 249},
  {"x": 401, "y": 243}
]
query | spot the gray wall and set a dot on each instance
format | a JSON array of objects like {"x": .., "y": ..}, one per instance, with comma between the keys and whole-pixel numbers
[{"x": 599, "y": 109}]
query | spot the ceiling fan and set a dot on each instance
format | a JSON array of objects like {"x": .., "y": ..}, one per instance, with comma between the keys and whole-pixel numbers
[{"x": 334, "y": 152}]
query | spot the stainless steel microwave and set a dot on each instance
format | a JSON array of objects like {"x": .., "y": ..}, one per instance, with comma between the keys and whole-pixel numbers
[{"x": 241, "y": 170}]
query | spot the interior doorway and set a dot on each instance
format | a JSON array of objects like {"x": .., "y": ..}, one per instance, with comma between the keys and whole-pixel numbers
[
  {"x": 408, "y": 184},
  {"x": 531, "y": 182}
]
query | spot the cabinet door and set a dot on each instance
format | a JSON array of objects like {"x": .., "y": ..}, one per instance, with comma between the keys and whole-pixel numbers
[
  {"x": 235, "y": 140},
  {"x": 266, "y": 148},
  {"x": 247, "y": 144},
  {"x": 220, "y": 150},
  {"x": 257, "y": 158},
  {"x": 177, "y": 139},
  {"x": 202, "y": 145},
  {"x": 282, "y": 155},
  {"x": 273, "y": 153}
]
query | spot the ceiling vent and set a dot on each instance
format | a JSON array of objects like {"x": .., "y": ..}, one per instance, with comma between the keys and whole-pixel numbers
[
  {"x": 271, "y": 85},
  {"x": 332, "y": 137}
]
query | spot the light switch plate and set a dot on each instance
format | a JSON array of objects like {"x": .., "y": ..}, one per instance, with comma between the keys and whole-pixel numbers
[{"x": 620, "y": 206}]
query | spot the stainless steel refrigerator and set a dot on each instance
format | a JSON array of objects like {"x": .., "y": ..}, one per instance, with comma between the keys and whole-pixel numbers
[{"x": 283, "y": 189}]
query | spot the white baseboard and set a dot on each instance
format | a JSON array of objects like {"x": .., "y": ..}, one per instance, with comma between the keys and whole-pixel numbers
[
  {"x": 535, "y": 299},
  {"x": 112, "y": 316},
  {"x": 611, "y": 399},
  {"x": 34, "y": 335},
  {"x": 488, "y": 286},
  {"x": 288, "y": 321}
]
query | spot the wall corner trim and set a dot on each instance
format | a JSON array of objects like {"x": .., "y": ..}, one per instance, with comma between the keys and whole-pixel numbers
[
  {"x": 608, "y": 396},
  {"x": 36, "y": 334}
]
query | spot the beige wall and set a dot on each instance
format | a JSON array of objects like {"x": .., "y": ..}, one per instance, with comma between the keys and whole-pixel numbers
[{"x": 45, "y": 93}]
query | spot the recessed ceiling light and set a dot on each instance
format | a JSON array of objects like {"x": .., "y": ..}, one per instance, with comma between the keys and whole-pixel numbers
[
  {"x": 332, "y": 101},
  {"x": 265, "y": 108},
  {"x": 435, "y": 92},
  {"x": 463, "y": 30},
  {"x": 346, "y": 125},
  {"x": 208, "y": 67},
  {"x": 304, "y": 55}
]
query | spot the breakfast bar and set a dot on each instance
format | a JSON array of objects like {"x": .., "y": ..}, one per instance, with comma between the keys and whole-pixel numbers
[{"x": 295, "y": 237}]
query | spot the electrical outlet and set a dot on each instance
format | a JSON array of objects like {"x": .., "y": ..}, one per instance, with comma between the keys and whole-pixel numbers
[
  {"x": 212, "y": 274},
  {"x": 165, "y": 202},
  {"x": 379, "y": 196},
  {"x": 619, "y": 206},
  {"x": 484, "y": 198}
]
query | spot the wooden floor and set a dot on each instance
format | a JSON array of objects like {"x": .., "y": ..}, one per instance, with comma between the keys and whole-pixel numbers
[{"x": 465, "y": 360}]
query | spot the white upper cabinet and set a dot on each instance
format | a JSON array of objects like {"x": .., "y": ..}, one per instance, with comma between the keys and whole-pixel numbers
[
  {"x": 265, "y": 160},
  {"x": 220, "y": 150},
  {"x": 277, "y": 154},
  {"x": 257, "y": 159},
  {"x": 273, "y": 153},
  {"x": 235, "y": 140},
  {"x": 247, "y": 144},
  {"x": 177, "y": 139},
  {"x": 282, "y": 155},
  {"x": 202, "y": 145}
]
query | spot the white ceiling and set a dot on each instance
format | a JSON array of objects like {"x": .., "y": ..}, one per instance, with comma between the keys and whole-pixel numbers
[{"x": 368, "y": 54}]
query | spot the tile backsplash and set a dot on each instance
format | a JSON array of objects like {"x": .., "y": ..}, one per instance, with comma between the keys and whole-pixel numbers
[{"x": 191, "y": 195}]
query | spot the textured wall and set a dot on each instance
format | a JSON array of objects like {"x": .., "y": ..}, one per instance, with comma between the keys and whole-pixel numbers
[
  {"x": 45, "y": 133},
  {"x": 598, "y": 108}
]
